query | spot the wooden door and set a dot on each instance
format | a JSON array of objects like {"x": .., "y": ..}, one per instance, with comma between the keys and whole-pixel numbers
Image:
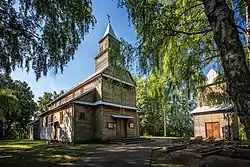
[
  {"x": 209, "y": 129},
  {"x": 212, "y": 129},
  {"x": 118, "y": 128},
  {"x": 216, "y": 129},
  {"x": 125, "y": 127},
  {"x": 56, "y": 125},
  {"x": 122, "y": 128}
]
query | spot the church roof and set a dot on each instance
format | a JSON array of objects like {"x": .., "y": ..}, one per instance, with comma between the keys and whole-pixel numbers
[
  {"x": 87, "y": 80},
  {"x": 110, "y": 31},
  {"x": 78, "y": 85}
]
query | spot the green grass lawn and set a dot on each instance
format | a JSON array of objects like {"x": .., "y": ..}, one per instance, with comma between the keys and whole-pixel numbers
[{"x": 27, "y": 153}]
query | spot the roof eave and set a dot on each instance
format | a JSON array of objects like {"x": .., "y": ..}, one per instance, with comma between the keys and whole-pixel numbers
[
  {"x": 77, "y": 86},
  {"x": 110, "y": 36}
]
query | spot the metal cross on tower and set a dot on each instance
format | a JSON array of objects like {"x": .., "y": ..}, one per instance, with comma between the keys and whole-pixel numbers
[{"x": 108, "y": 18}]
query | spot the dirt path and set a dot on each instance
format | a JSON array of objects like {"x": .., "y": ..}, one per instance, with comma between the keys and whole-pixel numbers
[
  {"x": 134, "y": 155},
  {"x": 138, "y": 155}
]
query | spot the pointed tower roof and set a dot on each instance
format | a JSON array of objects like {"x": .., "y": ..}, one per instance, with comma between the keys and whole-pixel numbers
[
  {"x": 110, "y": 31},
  {"x": 211, "y": 76}
]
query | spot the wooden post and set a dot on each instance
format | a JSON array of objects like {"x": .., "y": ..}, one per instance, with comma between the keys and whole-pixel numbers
[
  {"x": 165, "y": 126},
  {"x": 164, "y": 116}
]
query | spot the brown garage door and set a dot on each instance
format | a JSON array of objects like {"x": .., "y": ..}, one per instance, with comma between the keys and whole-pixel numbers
[{"x": 213, "y": 129}]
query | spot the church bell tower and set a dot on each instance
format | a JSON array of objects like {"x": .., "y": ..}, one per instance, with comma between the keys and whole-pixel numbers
[{"x": 108, "y": 46}]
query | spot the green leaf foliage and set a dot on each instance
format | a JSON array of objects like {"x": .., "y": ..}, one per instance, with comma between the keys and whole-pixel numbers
[
  {"x": 17, "y": 104},
  {"x": 47, "y": 98},
  {"x": 42, "y": 34},
  {"x": 154, "y": 98},
  {"x": 172, "y": 38},
  {"x": 174, "y": 46}
]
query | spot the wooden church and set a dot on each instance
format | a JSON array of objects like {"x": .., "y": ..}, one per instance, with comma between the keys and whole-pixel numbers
[
  {"x": 103, "y": 106},
  {"x": 214, "y": 115}
]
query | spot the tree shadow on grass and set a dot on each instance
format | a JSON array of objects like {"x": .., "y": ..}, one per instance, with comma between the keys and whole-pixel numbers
[{"x": 29, "y": 153}]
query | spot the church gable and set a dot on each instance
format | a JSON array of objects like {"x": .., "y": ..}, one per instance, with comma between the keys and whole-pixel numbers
[
  {"x": 117, "y": 92},
  {"x": 91, "y": 97},
  {"x": 119, "y": 73},
  {"x": 213, "y": 95},
  {"x": 213, "y": 92}
]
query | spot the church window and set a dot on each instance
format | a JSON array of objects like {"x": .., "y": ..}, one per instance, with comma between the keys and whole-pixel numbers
[{"x": 82, "y": 116}]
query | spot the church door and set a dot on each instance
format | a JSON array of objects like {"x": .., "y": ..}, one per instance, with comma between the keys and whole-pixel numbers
[
  {"x": 118, "y": 127},
  {"x": 121, "y": 128}
]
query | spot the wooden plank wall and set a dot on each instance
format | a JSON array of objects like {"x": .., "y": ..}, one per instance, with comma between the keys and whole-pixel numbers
[
  {"x": 118, "y": 93},
  {"x": 132, "y": 132},
  {"x": 97, "y": 121},
  {"x": 97, "y": 83},
  {"x": 201, "y": 119},
  {"x": 66, "y": 133},
  {"x": 111, "y": 133},
  {"x": 65, "y": 129},
  {"x": 119, "y": 73},
  {"x": 101, "y": 62},
  {"x": 108, "y": 133},
  {"x": 90, "y": 97},
  {"x": 84, "y": 129}
]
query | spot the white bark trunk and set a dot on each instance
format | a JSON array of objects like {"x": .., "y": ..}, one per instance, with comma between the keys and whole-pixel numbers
[
  {"x": 226, "y": 36},
  {"x": 247, "y": 35}
]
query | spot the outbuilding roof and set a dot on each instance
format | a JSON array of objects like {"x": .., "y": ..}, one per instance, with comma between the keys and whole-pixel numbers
[{"x": 219, "y": 107}]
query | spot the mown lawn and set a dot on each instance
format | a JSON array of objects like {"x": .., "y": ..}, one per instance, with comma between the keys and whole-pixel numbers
[{"x": 27, "y": 153}]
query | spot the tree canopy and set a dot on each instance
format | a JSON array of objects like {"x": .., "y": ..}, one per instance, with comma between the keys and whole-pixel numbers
[
  {"x": 46, "y": 98},
  {"x": 17, "y": 104},
  {"x": 42, "y": 35},
  {"x": 166, "y": 108},
  {"x": 176, "y": 44}
]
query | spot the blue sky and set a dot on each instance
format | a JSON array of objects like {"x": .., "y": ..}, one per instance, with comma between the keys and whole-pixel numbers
[{"x": 83, "y": 64}]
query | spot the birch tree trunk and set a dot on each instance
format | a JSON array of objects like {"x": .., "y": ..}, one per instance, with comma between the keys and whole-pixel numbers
[
  {"x": 226, "y": 36},
  {"x": 247, "y": 35}
]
